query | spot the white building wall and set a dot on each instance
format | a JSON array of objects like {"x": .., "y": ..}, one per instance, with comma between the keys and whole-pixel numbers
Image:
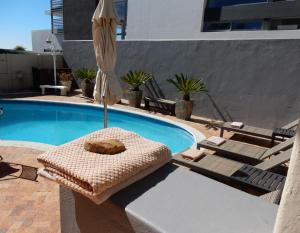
[
  {"x": 183, "y": 20},
  {"x": 16, "y": 69},
  {"x": 39, "y": 38},
  {"x": 164, "y": 19}
]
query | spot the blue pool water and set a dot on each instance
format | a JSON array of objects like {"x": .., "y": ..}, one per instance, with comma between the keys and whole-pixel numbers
[{"x": 58, "y": 123}]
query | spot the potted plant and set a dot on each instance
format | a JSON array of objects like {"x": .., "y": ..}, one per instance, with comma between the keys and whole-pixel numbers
[
  {"x": 65, "y": 79},
  {"x": 186, "y": 85},
  {"x": 135, "y": 79},
  {"x": 87, "y": 77}
]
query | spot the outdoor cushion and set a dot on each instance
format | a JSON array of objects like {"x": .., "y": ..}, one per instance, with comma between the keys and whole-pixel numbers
[
  {"x": 193, "y": 154},
  {"x": 98, "y": 176},
  {"x": 215, "y": 140},
  {"x": 237, "y": 124}
]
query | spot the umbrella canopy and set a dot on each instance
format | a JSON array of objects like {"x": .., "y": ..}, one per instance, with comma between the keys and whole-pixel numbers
[
  {"x": 107, "y": 89},
  {"x": 289, "y": 210}
]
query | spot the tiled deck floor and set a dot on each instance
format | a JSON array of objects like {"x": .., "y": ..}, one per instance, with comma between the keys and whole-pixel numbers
[{"x": 28, "y": 206}]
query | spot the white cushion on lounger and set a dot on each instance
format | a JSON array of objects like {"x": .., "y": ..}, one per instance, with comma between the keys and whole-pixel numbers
[
  {"x": 193, "y": 154},
  {"x": 237, "y": 125},
  {"x": 214, "y": 140}
]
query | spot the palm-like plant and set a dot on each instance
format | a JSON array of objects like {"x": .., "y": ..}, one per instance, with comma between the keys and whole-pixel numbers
[
  {"x": 86, "y": 75},
  {"x": 136, "y": 78},
  {"x": 187, "y": 85}
]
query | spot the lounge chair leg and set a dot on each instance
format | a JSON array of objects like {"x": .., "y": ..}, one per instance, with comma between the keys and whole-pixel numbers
[
  {"x": 173, "y": 110},
  {"x": 221, "y": 132},
  {"x": 147, "y": 105}
]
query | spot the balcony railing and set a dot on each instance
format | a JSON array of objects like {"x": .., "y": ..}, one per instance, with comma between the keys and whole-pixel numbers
[{"x": 56, "y": 11}]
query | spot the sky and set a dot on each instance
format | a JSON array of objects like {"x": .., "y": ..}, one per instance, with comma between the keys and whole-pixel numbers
[{"x": 18, "y": 18}]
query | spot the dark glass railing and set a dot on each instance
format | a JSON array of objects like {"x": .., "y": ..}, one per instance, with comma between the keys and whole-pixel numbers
[{"x": 56, "y": 10}]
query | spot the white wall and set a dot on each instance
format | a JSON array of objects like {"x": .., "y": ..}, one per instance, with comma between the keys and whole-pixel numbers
[
  {"x": 16, "y": 69},
  {"x": 39, "y": 38},
  {"x": 183, "y": 20},
  {"x": 164, "y": 19},
  {"x": 254, "y": 81}
]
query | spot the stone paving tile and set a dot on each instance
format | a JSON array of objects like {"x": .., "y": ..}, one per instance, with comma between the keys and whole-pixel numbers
[{"x": 27, "y": 206}]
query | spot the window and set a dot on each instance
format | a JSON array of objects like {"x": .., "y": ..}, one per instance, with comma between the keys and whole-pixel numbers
[
  {"x": 216, "y": 26},
  {"x": 217, "y": 16},
  {"x": 121, "y": 8},
  {"x": 221, "y": 3},
  {"x": 252, "y": 25}
]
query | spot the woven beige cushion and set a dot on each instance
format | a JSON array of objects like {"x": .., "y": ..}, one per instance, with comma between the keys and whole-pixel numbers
[
  {"x": 97, "y": 176},
  {"x": 272, "y": 197}
]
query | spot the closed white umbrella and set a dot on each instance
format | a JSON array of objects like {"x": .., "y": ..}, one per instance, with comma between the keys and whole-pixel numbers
[
  {"x": 107, "y": 89},
  {"x": 287, "y": 220}
]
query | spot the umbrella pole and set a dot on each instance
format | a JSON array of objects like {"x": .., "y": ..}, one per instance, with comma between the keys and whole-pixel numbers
[
  {"x": 54, "y": 68},
  {"x": 105, "y": 113},
  {"x": 105, "y": 106}
]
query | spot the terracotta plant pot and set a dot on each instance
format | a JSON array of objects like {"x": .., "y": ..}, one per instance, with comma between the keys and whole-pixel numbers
[
  {"x": 134, "y": 98},
  {"x": 87, "y": 89},
  {"x": 67, "y": 84},
  {"x": 184, "y": 109}
]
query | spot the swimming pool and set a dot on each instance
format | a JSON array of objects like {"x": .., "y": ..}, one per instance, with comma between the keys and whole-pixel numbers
[{"x": 57, "y": 123}]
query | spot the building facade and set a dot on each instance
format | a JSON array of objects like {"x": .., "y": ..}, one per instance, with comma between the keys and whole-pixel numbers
[
  {"x": 251, "y": 70},
  {"x": 77, "y": 18},
  {"x": 172, "y": 19},
  {"x": 234, "y": 15},
  {"x": 39, "y": 40}
]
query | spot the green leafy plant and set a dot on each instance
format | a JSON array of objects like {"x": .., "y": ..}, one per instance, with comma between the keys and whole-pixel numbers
[
  {"x": 187, "y": 85},
  {"x": 136, "y": 78},
  {"x": 19, "y": 48},
  {"x": 86, "y": 75}
]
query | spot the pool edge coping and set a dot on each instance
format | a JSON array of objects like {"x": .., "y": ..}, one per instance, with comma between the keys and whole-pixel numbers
[
  {"x": 196, "y": 134},
  {"x": 27, "y": 144}
]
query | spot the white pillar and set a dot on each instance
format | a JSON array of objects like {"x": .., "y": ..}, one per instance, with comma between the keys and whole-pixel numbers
[
  {"x": 289, "y": 210},
  {"x": 54, "y": 68}
]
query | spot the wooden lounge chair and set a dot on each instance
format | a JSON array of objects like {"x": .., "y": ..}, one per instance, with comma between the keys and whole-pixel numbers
[
  {"x": 255, "y": 131},
  {"x": 157, "y": 98},
  {"x": 246, "y": 152},
  {"x": 257, "y": 176}
]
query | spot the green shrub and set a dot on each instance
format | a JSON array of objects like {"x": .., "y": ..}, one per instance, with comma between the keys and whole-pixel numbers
[
  {"x": 186, "y": 85},
  {"x": 19, "y": 48},
  {"x": 136, "y": 78},
  {"x": 86, "y": 75}
]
